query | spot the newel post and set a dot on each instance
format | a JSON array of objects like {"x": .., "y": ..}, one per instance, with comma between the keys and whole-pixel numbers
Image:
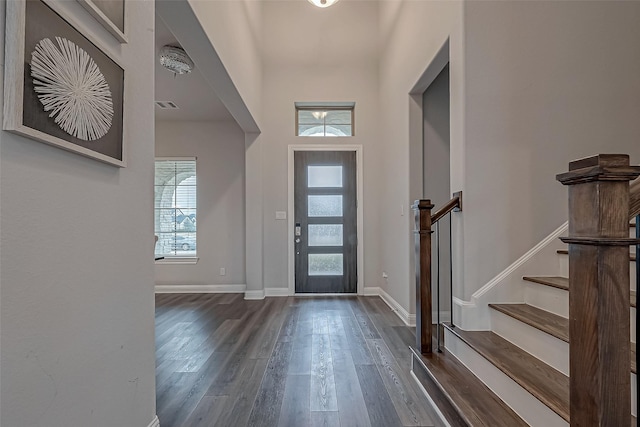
[
  {"x": 422, "y": 232},
  {"x": 599, "y": 362}
]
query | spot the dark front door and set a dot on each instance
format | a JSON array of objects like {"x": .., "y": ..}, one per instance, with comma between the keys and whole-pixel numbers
[{"x": 325, "y": 222}]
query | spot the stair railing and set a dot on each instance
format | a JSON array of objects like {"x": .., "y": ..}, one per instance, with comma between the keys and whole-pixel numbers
[
  {"x": 634, "y": 212},
  {"x": 425, "y": 222},
  {"x": 599, "y": 323}
]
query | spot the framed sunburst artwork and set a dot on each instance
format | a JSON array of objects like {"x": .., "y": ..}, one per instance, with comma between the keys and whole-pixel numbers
[
  {"x": 109, "y": 13},
  {"x": 60, "y": 88}
]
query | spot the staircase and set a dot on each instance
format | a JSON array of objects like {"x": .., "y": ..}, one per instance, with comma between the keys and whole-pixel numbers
[{"x": 518, "y": 372}]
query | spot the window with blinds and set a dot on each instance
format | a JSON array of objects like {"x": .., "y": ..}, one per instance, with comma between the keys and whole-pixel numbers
[
  {"x": 175, "y": 207},
  {"x": 324, "y": 119}
]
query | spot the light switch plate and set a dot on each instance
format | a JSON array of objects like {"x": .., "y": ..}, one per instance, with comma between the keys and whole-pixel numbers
[{"x": 281, "y": 215}]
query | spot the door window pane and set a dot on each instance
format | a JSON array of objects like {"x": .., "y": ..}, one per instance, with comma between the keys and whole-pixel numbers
[
  {"x": 324, "y": 176},
  {"x": 325, "y": 235},
  {"x": 325, "y": 265},
  {"x": 324, "y": 206}
]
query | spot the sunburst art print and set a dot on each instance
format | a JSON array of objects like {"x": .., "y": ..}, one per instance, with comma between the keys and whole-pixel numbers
[
  {"x": 62, "y": 87},
  {"x": 72, "y": 89}
]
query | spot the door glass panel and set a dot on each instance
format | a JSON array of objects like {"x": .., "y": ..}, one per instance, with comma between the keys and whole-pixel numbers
[
  {"x": 325, "y": 265},
  {"x": 324, "y": 176},
  {"x": 325, "y": 205},
  {"x": 325, "y": 235}
]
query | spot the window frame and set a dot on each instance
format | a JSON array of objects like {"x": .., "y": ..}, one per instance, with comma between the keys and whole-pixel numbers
[
  {"x": 171, "y": 258},
  {"x": 325, "y": 107}
]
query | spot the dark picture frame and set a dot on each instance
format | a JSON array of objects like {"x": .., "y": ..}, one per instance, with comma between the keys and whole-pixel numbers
[
  {"x": 110, "y": 14},
  {"x": 29, "y": 23}
]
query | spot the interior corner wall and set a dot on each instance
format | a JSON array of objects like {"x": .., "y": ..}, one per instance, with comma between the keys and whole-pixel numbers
[
  {"x": 220, "y": 151},
  {"x": 412, "y": 34},
  {"x": 546, "y": 83},
  {"x": 76, "y": 267},
  {"x": 235, "y": 31}
]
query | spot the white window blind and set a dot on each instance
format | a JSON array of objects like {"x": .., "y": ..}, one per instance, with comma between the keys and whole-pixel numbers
[{"x": 175, "y": 207}]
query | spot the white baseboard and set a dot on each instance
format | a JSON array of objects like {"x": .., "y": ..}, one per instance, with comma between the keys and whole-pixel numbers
[
  {"x": 408, "y": 318},
  {"x": 155, "y": 422},
  {"x": 200, "y": 289},
  {"x": 276, "y": 292},
  {"x": 253, "y": 295},
  {"x": 371, "y": 292}
]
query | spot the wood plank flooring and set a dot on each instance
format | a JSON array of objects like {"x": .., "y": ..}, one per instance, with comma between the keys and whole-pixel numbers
[{"x": 321, "y": 361}]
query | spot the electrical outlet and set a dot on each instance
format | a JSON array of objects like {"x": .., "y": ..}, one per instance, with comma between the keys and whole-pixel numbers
[{"x": 223, "y": 271}]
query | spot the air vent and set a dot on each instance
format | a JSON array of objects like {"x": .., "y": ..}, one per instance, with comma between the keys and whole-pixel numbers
[{"x": 166, "y": 105}]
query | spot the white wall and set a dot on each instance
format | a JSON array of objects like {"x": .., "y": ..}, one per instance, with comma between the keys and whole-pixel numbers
[
  {"x": 309, "y": 56},
  {"x": 412, "y": 33},
  {"x": 234, "y": 29},
  {"x": 219, "y": 147},
  {"x": 546, "y": 83},
  {"x": 76, "y": 279}
]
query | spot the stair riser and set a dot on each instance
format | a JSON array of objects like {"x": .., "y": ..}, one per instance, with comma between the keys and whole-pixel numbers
[
  {"x": 564, "y": 269},
  {"x": 556, "y": 301},
  {"x": 633, "y": 325},
  {"x": 522, "y": 402},
  {"x": 547, "y": 298},
  {"x": 552, "y": 351}
]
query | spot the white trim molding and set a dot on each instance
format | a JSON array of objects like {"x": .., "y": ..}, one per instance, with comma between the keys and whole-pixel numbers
[
  {"x": 155, "y": 422},
  {"x": 276, "y": 292},
  {"x": 371, "y": 292},
  {"x": 357, "y": 148},
  {"x": 200, "y": 289},
  {"x": 254, "y": 295},
  {"x": 408, "y": 318}
]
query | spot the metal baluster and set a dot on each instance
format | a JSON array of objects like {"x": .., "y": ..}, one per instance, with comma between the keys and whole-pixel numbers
[
  {"x": 451, "y": 271},
  {"x": 438, "y": 284}
]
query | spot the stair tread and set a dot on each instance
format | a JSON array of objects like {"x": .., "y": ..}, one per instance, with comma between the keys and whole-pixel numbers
[
  {"x": 472, "y": 399},
  {"x": 563, "y": 283},
  {"x": 554, "y": 281},
  {"x": 548, "y": 385},
  {"x": 550, "y": 323},
  {"x": 632, "y": 257}
]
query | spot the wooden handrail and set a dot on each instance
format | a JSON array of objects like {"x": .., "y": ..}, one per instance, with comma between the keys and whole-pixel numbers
[
  {"x": 454, "y": 203},
  {"x": 634, "y": 199}
]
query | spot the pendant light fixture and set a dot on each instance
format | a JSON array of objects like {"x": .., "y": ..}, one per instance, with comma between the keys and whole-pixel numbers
[
  {"x": 176, "y": 60},
  {"x": 323, "y": 3}
]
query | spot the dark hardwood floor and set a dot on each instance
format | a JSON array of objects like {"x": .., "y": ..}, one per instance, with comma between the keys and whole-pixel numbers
[{"x": 321, "y": 361}]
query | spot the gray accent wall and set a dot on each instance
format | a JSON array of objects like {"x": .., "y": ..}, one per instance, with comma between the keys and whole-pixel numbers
[{"x": 76, "y": 264}]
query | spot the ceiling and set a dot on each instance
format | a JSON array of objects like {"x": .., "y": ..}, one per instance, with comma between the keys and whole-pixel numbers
[{"x": 190, "y": 92}]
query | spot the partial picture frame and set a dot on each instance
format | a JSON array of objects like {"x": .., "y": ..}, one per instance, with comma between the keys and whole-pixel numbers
[
  {"x": 110, "y": 14},
  {"x": 60, "y": 87}
]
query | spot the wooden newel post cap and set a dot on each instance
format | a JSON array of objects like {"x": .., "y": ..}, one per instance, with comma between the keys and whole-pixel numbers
[
  {"x": 601, "y": 167},
  {"x": 422, "y": 204}
]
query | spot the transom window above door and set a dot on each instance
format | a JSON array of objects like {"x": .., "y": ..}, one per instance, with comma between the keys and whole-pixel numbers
[{"x": 324, "y": 119}]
